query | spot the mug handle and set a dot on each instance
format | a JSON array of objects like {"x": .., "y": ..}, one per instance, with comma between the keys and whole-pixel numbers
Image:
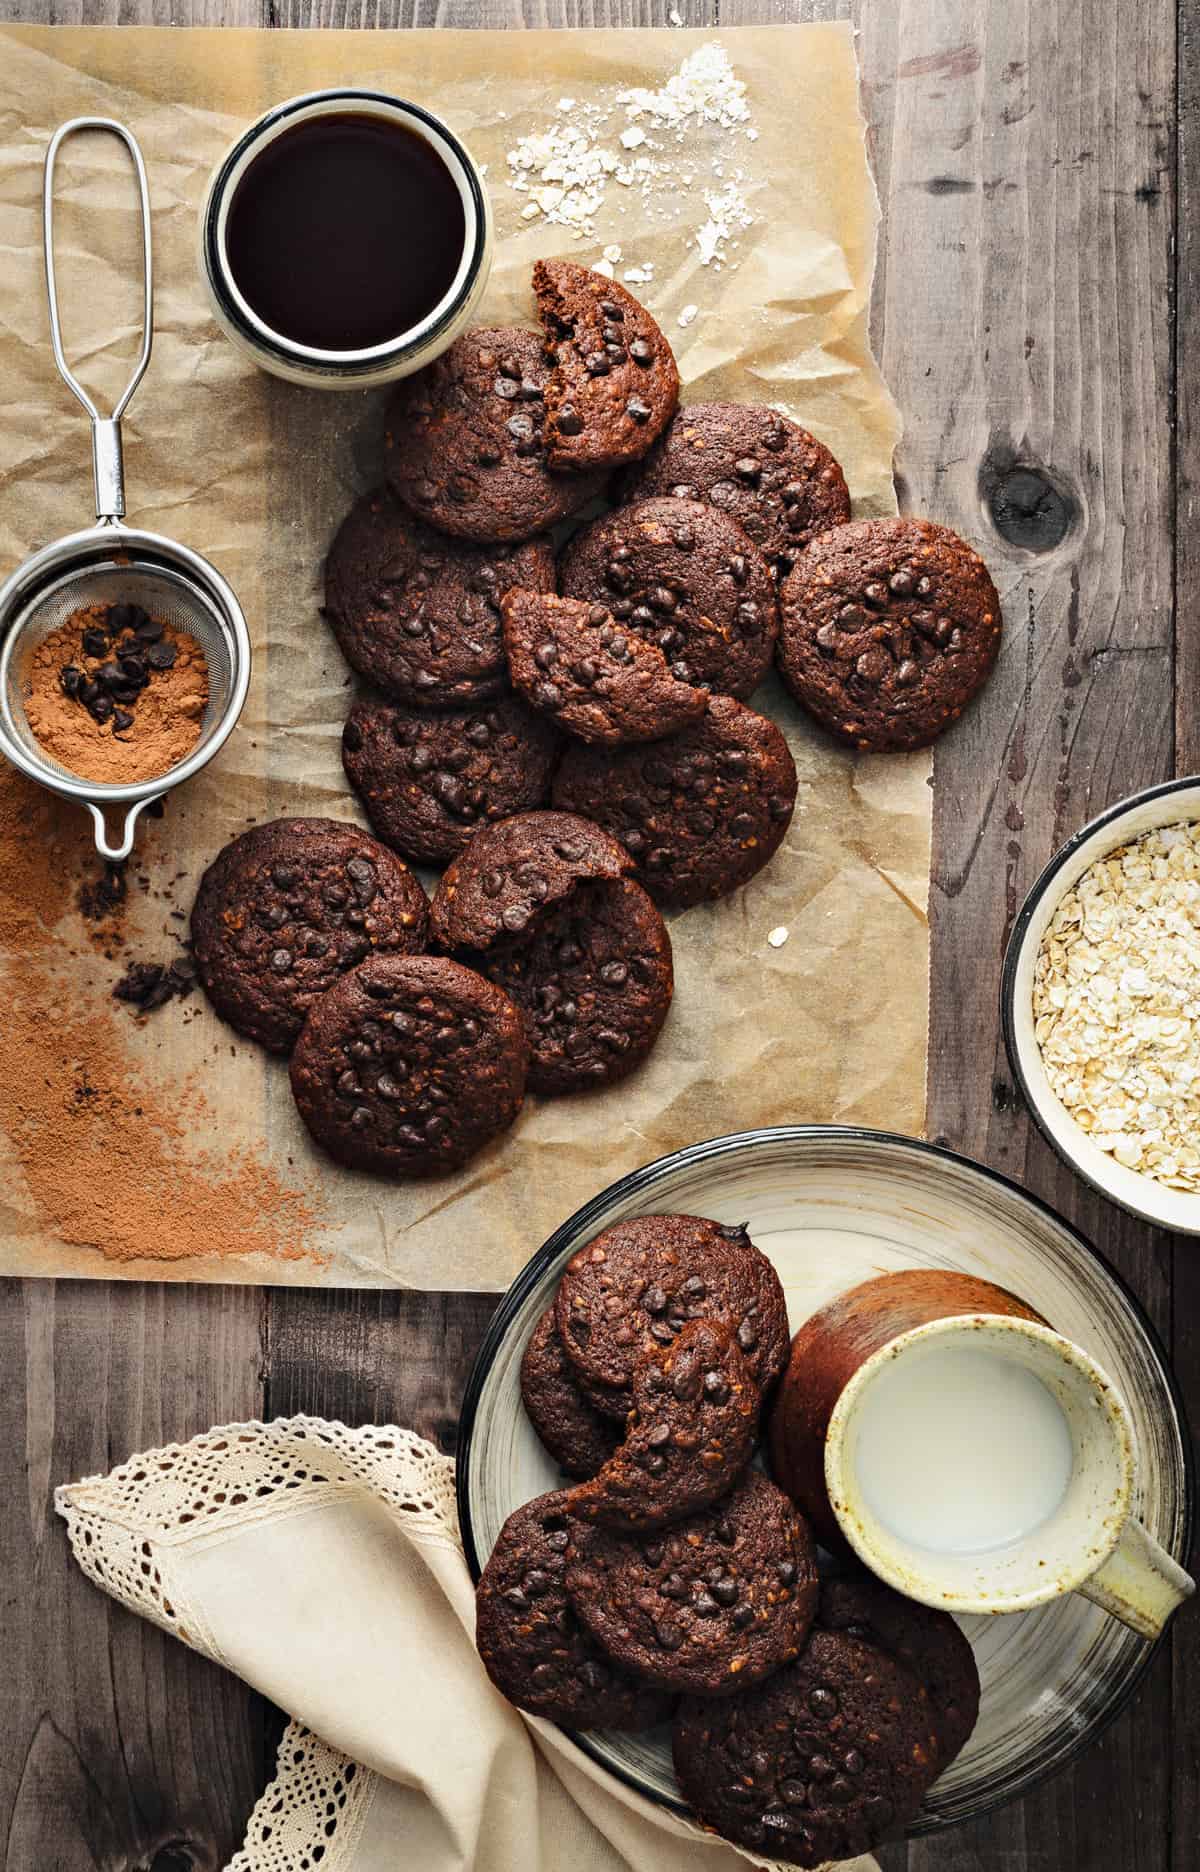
[{"x": 1139, "y": 1583}]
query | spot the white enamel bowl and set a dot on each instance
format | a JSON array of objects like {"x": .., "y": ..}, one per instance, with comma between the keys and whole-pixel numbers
[
  {"x": 832, "y": 1207},
  {"x": 1172, "y": 803}
]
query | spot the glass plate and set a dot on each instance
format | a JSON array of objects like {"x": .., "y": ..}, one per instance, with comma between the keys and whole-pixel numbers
[{"x": 832, "y": 1207}]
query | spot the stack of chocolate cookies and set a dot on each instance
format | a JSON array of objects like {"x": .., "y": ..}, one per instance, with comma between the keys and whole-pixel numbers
[
  {"x": 672, "y": 1581},
  {"x": 571, "y": 737}
]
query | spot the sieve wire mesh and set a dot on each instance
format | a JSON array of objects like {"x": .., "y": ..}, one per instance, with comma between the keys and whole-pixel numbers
[{"x": 164, "y": 593}]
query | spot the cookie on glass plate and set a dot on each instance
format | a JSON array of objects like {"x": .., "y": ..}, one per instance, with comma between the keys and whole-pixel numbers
[
  {"x": 632, "y": 1289},
  {"x": 827, "y": 1759},
  {"x": 534, "y": 1649},
  {"x": 709, "y": 1606},
  {"x": 688, "y": 1437},
  {"x": 576, "y": 1435}
]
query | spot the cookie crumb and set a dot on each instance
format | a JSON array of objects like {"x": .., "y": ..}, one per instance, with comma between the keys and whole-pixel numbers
[
  {"x": 687, "y": 316},
  {"x": 778, "y": 936}
]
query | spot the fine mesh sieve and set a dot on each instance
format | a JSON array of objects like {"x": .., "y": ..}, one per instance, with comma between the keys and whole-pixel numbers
[{"x": 111, "y": 563}]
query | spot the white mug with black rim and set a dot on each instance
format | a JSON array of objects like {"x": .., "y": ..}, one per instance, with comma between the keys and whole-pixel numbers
[{"x": 348, "y": 246}]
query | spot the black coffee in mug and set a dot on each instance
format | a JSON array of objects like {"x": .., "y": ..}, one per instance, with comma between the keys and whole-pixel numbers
[{"x": 345, "y": 232}]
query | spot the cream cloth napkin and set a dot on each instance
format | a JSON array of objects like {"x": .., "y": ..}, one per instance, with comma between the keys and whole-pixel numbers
[{"x": 323, "y": 1565}]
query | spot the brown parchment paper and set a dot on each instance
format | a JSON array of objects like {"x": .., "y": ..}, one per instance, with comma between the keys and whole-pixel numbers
[{"x": 831, "y": 1025}]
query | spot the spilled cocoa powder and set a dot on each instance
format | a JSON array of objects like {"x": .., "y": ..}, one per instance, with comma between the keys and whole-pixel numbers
[{"x": 100, "y": 1157}]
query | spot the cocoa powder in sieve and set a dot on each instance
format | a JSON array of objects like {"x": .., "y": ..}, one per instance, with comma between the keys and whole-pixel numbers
[{"x": 116, "y": 696}]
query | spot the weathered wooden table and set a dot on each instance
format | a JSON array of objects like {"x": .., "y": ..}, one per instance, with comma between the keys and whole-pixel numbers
[{"x": 1039, "y": 165}]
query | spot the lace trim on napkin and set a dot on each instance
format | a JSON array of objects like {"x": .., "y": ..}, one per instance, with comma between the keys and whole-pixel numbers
[{"x": 312, "y": 1814}]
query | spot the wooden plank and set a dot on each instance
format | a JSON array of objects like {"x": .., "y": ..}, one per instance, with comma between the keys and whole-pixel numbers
[
  {"x": 121, "y": 1747},
  {"x": 374, "y": 1357}
]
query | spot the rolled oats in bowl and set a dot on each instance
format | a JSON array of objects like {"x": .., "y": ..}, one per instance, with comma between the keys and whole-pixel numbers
[{"x": 1116, "y": 1004}]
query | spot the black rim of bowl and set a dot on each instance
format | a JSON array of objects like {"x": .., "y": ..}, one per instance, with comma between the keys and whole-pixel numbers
[
  {"x": 693, "y": 1154},
  {"x": 1012, "y": 958},
  {"x": 212, "y": 257}
]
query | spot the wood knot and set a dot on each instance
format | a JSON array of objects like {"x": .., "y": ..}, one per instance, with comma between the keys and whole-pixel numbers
[{"x": 1027, "y": 509}]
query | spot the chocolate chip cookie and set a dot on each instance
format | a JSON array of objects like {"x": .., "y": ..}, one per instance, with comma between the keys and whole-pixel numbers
[
  {"x": 285, "y": 909},
  {"x": 614, "y": 383},
  {"x": 684, "y": 577},
  {"x": 632, "y": 1289},
  {"x": 589, "y": 675},
  {"x": 578, "y": 1437},
  {"x": 926, "y": 1640},
  {"x": 689, "y": 1436},
  {"x": 418, "y": 614},
  {"x": 700, "y": 813},
  {"x": 427, "y": 782},
  {"x": 511, "y": 872},
  {"x": 781, "y": 484},
  {"x": 889, "y": 628},
  {"x": 826, "y": 1760},
  {"x": 533, "y": 1647},
  {"x": 409, "y": 1065},
  {"x": 464, "y": 441},
  {"x": 709, "y": 1606},
  {"x": 593, "y": 978}
]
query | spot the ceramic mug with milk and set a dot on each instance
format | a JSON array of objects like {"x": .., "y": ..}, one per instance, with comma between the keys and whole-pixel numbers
[{"x": 983, "y": 1463}]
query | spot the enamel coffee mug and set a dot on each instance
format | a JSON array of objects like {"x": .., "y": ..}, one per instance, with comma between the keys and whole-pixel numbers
[
  {"x": 980, "y": 1462},
  {"x": 345, "y": 239}
]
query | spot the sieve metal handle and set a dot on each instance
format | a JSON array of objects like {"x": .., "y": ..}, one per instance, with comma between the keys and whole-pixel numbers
[
  {"x": 107, "y": 464},
  {"x": 115, "y": 854}
]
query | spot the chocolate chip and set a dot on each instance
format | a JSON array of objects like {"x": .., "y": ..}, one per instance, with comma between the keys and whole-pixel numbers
[
  {"x": 95, "y": 643},
  {"x": 639, "y": 411},
  {"x": 725, "y": 1591},
  {"x": 507, "y": 388},
  {"x": 901, "y": 584},
  {"x": 612, "y": 311},
  {"x": 100, "y": 707},
  {"x": 281, "y": 961},
  {"x": 669, "y": 1635},
  {"x": 570, "y": 422},
  {"x": 599, "y": 363},
  {"x": 642, "y": 351},
  {"x": 161, "y": 656},
  {"x": 121, "y": 720},
  {"x": 824, "y": 1703}
]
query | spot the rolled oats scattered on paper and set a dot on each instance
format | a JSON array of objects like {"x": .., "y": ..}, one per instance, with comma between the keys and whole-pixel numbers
[{"x": 1116, "y": 1004}]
